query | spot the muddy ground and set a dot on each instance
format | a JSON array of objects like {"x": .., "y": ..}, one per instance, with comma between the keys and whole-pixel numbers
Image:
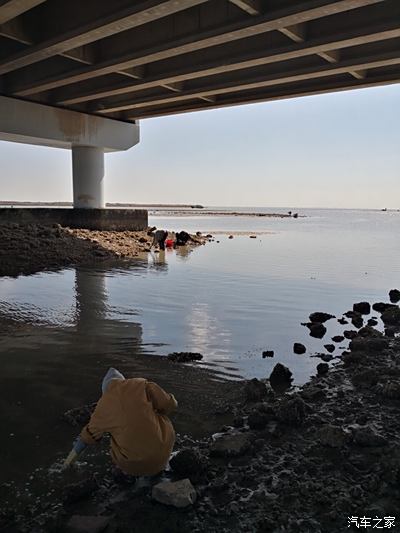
[
  {"x": 26, "y": 249},
  {"x": 321, "y": 458}
]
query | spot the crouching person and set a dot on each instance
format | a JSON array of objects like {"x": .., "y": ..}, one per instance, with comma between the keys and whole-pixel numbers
[{"x": 135, "y": 413}]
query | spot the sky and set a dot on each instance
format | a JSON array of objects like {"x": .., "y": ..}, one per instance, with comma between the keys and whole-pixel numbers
[{"x": 339, "y": 150}]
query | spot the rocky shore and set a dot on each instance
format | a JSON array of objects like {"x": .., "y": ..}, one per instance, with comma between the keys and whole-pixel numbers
[
  {"x": 26, "y": 249},
  {"x": 321, "y": 458}
]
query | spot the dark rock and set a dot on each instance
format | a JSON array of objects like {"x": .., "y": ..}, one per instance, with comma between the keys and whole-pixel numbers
[
  {"x": 352, "y": 358},
  {"x": 362, "y": 307},
  {"x": 358, "y": 322},
  {"x": 350, "y": 334},
  {"x": 391, "y": 317},
  {"x": 352, "y": 314},
  {"x": 280, "y": 373},
  {"x": 342, "y": 321},
  {"x": 338, "y": 338},
  {"x": 320, "y": 317},
  {"x": 79, "y": 416},
  {"x": 253, "y": 236},
  {"x": 257, "y": 420},
  {"x": 368, "y": 344},
  {"x": 87, "y": 524},
  {"x": 184, "y": 357},
  {"x": 390, "y": 331},
  {"x": 326, "y": 357},
  {"x": 230, "y": 237},
  {"x": 332, "y": 436},
  {"x": 381, "y": 306},
  {"x": 394, "y": 296},
  {"x": 322, "y": 369},
  {"x": 368, "y": 331},
  {"x": 368, "y": 437},
  {"x": 292, "y": 411},
  {"x": 188, "y": 463},
  {"x": 299, "y": 348},
  {"x": 232, "y": 445},
  {"x": 317, "y": 330},
  {"x": 312, "y": 393},
  {"x": 268, "y": 353},
  {"x": 255, "y": 390},
  {"x": 329, "y": 347},
  {"x": 372, "y": 322}
]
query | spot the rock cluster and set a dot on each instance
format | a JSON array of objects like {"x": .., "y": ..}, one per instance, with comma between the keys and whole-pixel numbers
[{"x": 301, "y": 460}]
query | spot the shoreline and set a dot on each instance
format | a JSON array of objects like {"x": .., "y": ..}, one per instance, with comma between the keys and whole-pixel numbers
[
  {"x": 27, "y": 249},
  {"x": 305, "y": 459}
]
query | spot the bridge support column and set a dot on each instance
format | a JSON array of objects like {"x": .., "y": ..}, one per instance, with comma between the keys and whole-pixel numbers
[{"x": 88, "y": 177}]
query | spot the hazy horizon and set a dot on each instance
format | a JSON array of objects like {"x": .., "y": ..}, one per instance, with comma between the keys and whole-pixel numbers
[{"x": 338, "y": 150}]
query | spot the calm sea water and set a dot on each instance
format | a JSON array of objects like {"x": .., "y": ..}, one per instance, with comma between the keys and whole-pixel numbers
[{"x": 229, "y": 300}]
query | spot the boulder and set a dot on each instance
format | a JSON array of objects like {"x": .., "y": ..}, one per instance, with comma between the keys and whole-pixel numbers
[
  {"x": 338, "y": 338},
  {"x": 391, "y": 317},
  {"x": 369, "y": 331},
  {"x": 87, "y": 524},
  {"x": 231, "y": 445},
  {"x": 343, "y": 321},
  {"x": 332, "y": 436},
  {"x": 280, "y": 374},
  {"x": 317, "y": 330},
  {"x": 352, "y": 314},
  {"x": 372, "y": 322},
  {"x": 292, "y": 411},
  {"x": 368, "y": 344},
  {"x": 394, "y": 296},
  {"x": 350, "y": 333},
  {"x": 357, "y": 321},
  {"x": 187, "y": 463},
  {"x": 320, "y": 317},
  {"x": 299, "y": 348},
  {"x": 329, "y": 348},
  {"x": 176, "y": 493},
  {"x": 255, "y": 390},
  {"x": 362, "y": 307},
  {"x": 322, "y": 369},
  {"x": 381, "y": 306}
]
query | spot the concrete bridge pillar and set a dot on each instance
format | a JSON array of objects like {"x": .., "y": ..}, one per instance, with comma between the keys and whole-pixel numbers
[{"x": 88, "y": 177}]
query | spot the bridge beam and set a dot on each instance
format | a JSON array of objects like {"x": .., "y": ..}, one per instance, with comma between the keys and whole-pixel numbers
[{"x": 88, "y": 136}]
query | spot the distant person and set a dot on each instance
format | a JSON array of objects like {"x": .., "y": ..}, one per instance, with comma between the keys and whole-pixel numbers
[
  {"x": 182, "y": 238},
  {"x": 159, "y": 238},
  {"x": 135, "y": 413}
]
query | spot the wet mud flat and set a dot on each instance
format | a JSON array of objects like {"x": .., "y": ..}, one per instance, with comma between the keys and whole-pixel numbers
[
  {"x": 318, "y": 458},
  {"x": 26, "y": 249}
]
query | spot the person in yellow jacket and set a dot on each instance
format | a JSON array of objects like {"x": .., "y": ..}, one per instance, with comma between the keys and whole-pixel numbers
[{"x": 135, "y": 413}]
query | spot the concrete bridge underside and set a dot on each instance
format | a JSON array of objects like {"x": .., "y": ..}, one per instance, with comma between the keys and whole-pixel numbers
[{"x": 114, "y": 63}]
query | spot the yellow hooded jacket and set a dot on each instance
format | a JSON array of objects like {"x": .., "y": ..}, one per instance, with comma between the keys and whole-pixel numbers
[{"x": 134, "y": 411}]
